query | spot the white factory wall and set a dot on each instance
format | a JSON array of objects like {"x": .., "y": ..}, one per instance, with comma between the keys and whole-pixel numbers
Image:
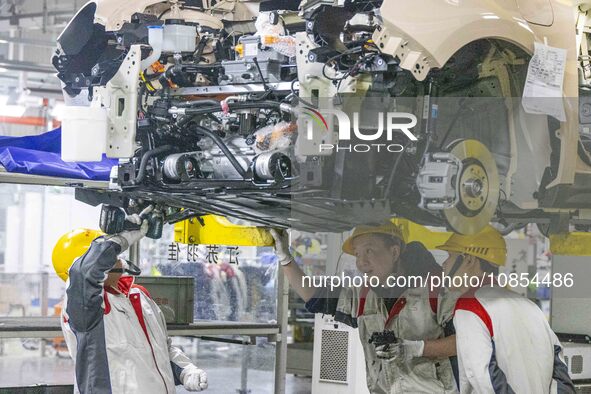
[{"x": 36, "y": 222}]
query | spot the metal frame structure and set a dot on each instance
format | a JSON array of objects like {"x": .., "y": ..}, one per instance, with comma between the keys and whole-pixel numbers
[
  {"x": 281, "y": 343},
  {"x": 24, "y": 179},
  {"x": 49, "y": 327}
]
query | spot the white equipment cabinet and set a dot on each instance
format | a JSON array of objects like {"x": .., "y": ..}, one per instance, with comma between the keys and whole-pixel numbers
[
  {"x": 339, "y": 363},
  {"x": 571, "y": 315}
]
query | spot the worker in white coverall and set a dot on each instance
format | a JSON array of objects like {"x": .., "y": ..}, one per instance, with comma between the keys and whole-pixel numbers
[
  {"x": 115, "y": 332},
  {"x": 504, "y": 343},
  {"x": 421, "y": 364}
]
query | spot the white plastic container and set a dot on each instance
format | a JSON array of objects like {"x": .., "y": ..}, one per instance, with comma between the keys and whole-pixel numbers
[
  {"x": 179, "y": 38},
  {"x": 84, "y": 134},
  {"x": 155, "y": 39}
]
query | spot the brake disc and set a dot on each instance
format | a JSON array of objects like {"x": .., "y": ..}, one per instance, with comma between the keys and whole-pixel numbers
[{"x": 477, "y": 188}]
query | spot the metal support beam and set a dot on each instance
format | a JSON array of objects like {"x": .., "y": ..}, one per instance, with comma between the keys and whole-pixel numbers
[
  {"x": 35, "y": 15},
  {"x": 244, "y": 371},
  {"x": 47, "y": 93},
  {"x": 27, "y": 66},
  {"x": 217, "y": 230},
  {"x": 49, "y": 327},
  {"x": 134, "y": 253},
  {"x": 27, "y": 41},
  {"x": 281, "y": 345},
  {"x": 26, "y": 179},
  {"x": 45, "y": 16},
  {"x": 571, "y": 244}
]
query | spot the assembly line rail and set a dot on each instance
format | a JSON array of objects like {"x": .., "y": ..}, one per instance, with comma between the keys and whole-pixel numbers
[
  {"x": 27, "y": 179},
  {"x": 49, "y": 327}
]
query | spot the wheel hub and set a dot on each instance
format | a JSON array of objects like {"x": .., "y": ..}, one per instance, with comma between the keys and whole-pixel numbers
[{"x": 477, "y": 188}]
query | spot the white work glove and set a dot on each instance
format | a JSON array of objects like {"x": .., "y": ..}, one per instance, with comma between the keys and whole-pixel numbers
[
  {"x": 193, "y": 378},
  {"x": 402, "y": 351},
  {"x": 282, "y": 246},
  {"x": 137, "y": 218},
  {"x": 128, "y": 238},
  {"x": 133, "y": 236}
]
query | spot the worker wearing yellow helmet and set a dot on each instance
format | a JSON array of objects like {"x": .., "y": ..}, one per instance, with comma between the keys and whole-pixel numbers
[
  {"x": 407, "y": 312},
  {"x": 69, "y": 247},
  {"x": 473, "y": 255},
  {"x": 115, "y": 332},
  {"x": 503, "y": 340}
]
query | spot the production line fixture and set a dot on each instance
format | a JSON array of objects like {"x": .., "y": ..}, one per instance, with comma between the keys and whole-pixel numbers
[{"x": 335, "y": 113}]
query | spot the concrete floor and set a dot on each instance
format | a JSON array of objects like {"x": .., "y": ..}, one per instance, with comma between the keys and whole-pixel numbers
[{"x": 26, "y": 367}]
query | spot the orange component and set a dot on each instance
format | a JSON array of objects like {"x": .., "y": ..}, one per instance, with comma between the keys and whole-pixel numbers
[
  {"x": 30, "y": 121},
  {"x": 25, "y": 120},
  {"x": 270, "y": 40},
  {"x": 158, "y": 67}
]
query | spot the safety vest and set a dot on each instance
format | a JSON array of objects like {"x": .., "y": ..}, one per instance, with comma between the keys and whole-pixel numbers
[
  {"x": 413, "y": 317},
  {"x": 505, "y": 344}
]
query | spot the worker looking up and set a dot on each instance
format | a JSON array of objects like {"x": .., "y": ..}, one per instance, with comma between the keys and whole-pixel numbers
[
  {"x": 410, "y": 313},
  {"x": 115, "y": 332},
  {"x": 504, "y": 342}
]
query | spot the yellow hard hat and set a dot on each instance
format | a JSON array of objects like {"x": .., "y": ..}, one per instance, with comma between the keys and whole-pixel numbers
[
  {"x": 488, "y": 244},
  {"x": 387, "y": 228},
  {"x": 69, "y": 247}
]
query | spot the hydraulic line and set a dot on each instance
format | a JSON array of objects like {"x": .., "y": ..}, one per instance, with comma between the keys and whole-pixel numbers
[
  {"x": 144, "y": 162},
  {"x": 234, "y": 106},
  {"x": 196, "y": 103},
  {"x": 188, "y": 113}
]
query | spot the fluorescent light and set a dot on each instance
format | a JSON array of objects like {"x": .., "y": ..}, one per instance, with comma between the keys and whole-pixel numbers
[
  {"x": 15, "y": 111},
  {"x": 3, "y": 70}
]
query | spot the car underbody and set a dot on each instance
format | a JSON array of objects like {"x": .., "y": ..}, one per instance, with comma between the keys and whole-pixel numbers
[{"x": 237, "y": 111}]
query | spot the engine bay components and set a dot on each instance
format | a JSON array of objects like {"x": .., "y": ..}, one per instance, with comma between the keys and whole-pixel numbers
[
  {"x": 178, "y": 36},
  {"x": 272, "y": 165},
  {"x": 227, "y": 111},
  {"x": 256, "y": 63},
  {"x": 181, "y": 167},
  {"x": 89, "y": 146}
]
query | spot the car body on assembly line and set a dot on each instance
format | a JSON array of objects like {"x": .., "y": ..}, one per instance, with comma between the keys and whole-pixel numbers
[{"x": 337, "y": 113}]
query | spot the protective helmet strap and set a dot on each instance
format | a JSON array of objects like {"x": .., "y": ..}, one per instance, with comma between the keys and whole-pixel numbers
[{"x": 457, "y": 264}]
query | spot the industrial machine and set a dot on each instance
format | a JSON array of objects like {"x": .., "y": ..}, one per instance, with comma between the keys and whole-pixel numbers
[
  {"x": 339, "y": 364},
  {"x": 331, "y": 113},
  {"x": 577, "y": 356},
  {"x": 570, "y": 317}
]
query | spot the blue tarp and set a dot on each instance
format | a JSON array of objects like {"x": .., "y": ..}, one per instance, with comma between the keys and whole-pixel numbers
[{"x": 40, "y": 155}]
